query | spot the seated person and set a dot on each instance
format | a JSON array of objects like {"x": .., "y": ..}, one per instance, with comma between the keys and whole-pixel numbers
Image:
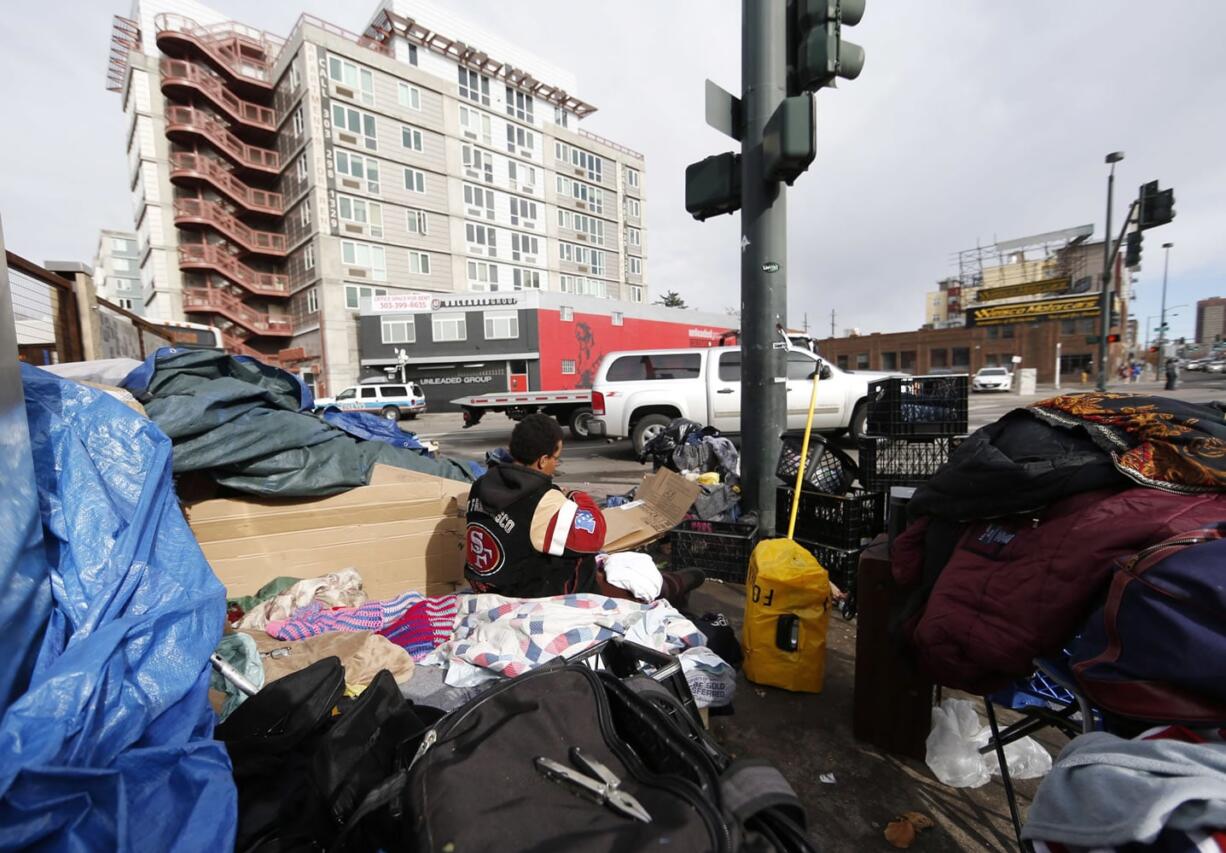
[{"x": 527, "y": 538}]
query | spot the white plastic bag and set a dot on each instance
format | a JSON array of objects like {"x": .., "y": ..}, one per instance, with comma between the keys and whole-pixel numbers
[{"x": 956, "y": 738}]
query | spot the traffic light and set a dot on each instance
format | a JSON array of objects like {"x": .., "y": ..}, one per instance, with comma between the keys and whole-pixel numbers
[
  {"x": 713, "y": 186},
  {"x": 1157, "y": 206},
  {"x": 1113, "y": 339},
  {"x": 1132, "y": 256},
  {"x": 819, "y": 54},
  {"x": 789, "y": 141}
]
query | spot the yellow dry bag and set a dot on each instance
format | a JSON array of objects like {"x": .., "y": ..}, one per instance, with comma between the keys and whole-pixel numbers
[{"x": 787, "y": 610}]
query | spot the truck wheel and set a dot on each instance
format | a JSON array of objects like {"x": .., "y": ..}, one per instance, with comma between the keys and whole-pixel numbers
[
  {"x": 578, "y": 424},
  {"x": 859, "y": 419},
  {"x": 646, "y": 429},
  {"x": 391, "y": 413}
]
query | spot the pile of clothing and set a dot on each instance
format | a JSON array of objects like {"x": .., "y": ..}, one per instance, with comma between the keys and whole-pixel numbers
[
  {"x": 701, "y": 454},
  {"x": 1013, "y": 542},
  {"x": 250, "y": 426}
]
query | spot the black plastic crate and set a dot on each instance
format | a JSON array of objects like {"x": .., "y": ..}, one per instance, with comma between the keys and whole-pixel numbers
[
  {"x": 886, "y": 462},
  {"x": 827, "y": 469},
  {"x": 918, "y": 406},
  {"x": 841, "y": 565},
  {"x": 844, "y": 521},
  {"x": 720, "y": 548}
]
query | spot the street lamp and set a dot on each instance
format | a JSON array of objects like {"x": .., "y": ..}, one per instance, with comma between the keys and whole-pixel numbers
[
  {"x": 1105, "y": 299},
  {"x": 1166, "y": 263}
]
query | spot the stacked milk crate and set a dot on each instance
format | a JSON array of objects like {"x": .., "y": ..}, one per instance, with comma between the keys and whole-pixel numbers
[{"x": 834, "y": 519}]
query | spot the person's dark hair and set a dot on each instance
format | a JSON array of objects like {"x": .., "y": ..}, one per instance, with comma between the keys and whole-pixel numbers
[{"x": 535, "y": 436}]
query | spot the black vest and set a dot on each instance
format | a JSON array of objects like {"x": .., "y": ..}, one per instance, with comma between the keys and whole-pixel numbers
[{"x": 499, "y": 554}]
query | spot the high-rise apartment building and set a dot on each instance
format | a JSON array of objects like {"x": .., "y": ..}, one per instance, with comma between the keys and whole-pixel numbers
[
  {"x": 117, "y": 270},
  {"x": 279, "y": 182},
  {"x": 1211, "y": 320}
]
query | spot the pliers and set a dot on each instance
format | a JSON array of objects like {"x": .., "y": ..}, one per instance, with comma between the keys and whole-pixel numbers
[{"x": 601, "y": 786}]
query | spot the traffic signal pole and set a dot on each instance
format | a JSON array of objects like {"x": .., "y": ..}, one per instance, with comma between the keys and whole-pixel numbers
[
  {"x": 763, "y": 259},
  {"x": 1105, "y": 297}
]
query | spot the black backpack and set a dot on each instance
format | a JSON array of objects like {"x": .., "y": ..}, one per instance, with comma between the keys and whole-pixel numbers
[{"x": 478, "y": 779}]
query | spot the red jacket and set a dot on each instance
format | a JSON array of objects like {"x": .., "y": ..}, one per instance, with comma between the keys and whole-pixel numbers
[{"x": 1020, "y": 588}]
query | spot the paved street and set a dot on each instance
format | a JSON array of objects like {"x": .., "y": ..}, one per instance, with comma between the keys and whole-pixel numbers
[{"x": 608, "y": 467}]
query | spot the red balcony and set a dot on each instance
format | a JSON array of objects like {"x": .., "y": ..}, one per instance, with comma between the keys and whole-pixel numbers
[
  {"x": 212, "y": 258},
  {"x": 187, "y": 168},
  {"x": 180, "y": 74},
  {"x": 189, "y": 120},
  {"x": 241, "y": 53},
  {"x": 196, "y": 211},
  {"x": 215, "y": 300}
]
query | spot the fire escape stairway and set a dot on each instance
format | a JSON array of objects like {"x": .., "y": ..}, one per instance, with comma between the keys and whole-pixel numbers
[
  {"x": 189, "y": 211},
  {"x": 179, "y": 73},
  {"x": 217, "y": 300},
  {"x": 240, "y": 55},
  {"x": 214, "y": 258},
  {"x": 180, "y": 119},
  {"x": 185, "y": 166}
]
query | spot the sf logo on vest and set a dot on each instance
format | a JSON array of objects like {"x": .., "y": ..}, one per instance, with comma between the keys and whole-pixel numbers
[{"x": 484, "y": 553}]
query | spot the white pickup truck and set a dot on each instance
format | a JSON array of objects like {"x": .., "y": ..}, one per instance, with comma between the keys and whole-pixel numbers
[{"x": 637, "y": 393}]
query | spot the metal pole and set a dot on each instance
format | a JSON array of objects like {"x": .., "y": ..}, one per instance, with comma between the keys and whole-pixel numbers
[
  {"x": 1058, "y": 345},
  {"x": 1105, "y": 299},
  {"x": 763, "y": 259},
  {"x": 1166, "y": 263}
]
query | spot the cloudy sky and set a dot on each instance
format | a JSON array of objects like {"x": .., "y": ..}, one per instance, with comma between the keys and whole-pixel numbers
[{"x": 974, "y": 120}]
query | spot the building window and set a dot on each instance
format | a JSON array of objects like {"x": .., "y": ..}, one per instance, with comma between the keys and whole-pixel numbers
[
  {"x": 1006, "y": 331},
  {"x": 1068, "y": 327},
  {"x": 409, "y": 96},
  {"x": 566, "y": 313},
  {"x": 301, "y": 167},
  {"x": 398, "y": 331},
  {"x": 632, "y": 177},
  {"x": 355, "y": 77},
  {"x": 568, "y": 367},
  {"x": 474, "y": 86},
  {"x": 124, "y": 264},
  {"x": 412, "y": 54},
  {"x": 356, "y": 122},
  {"x": 1089, "y": 325},
  {"x": 634, "y": 210},
  {"x": 304, "y": 212},
  {"x": 635, "y": 265},
  {"x": 299, "y": 122},
  {"x": 634, "y": 237},
  {"x": 123, "y": 246},
  {"x": 124, "y": 303},
  {"x": 523, "y": 212},
  {"x": 355, "y": 293},
  {"x": 478, "y": 164},
  {"x": 419, "y": 263},
  {"x": 418, "y": 222},
  {"x": 961, "y": 357},
  {"x": 475, "y": 125},
  {"x": 591, "y": 165},
  {"x": 583, "y": 286},
  {"x": 938, "y": 358},
  {"x": 479, "y": 202},
  {"x": 368, "y": 215},
  {"x": 294, "y": 78},
  {"x": 617, "y": 318},
  {"x": 414, "y": 181},
  {"x": 365, "y": 255},
  {"x": 841, "y": 361},
  {"x": 908, "y": 361},
  {"x": 482, "y": 276},
  {"x": 993, "y": 332},
  {"x": 312, "y": 301},
  {"x": 861, "y": 361},
  {"x": 521, "y": 177},
  {"x": 590, "y": 226},
  {"x": 635, "y": 293},
  {"x": 410, "y": 138},
  {"x": 519, "y": 105},
  {"x": 889, "y": 361},
  {"x": 308, "y": 257},
  {"x": 482, "y": 239},
  {"x": 356, "y": 166},
  {"x": 448, "y": 327},
  {"x": 560, "y": 117},
  {"x": 518, "y": 137},
  {"x": 524, "y": 279},
  {"x": 584, "y": 195},
  {"x": 524, "y": 247},
  {"x": 501, "y": 325}
]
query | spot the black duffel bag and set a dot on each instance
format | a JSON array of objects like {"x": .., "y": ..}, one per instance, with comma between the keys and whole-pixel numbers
[{"x": 487, "y": 777}]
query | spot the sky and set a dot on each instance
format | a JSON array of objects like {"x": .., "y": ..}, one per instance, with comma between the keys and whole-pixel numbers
[{"x": 973, "y": 121}]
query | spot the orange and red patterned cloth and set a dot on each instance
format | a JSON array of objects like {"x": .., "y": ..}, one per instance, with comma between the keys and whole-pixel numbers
[{"x": 1156, "y": 441}]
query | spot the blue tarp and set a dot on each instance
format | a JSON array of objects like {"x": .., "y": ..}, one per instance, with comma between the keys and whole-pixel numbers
[
  {"x": 370, "y": 426},
  {"x": 110, "y": 746}
]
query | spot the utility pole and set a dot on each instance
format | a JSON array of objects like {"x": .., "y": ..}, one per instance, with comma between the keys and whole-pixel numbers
[
  {"x": 806, "y": 324},
  {"x": 1108, "y": 255},
  {"x": 1166, "y": 265},
  {"x": 832, "y": 322},
  {"x": 764, "y": 271}
]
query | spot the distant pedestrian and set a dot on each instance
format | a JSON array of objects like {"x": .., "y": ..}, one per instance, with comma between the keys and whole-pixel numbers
[
  {"x": 1172, "y": 374},
  {"x": 1136, "y": 372}
]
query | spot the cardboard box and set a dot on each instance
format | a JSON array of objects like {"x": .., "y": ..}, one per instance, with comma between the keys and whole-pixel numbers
[
  {"x": 662, "y": 500},
  {"x": 404, "y": 531}
]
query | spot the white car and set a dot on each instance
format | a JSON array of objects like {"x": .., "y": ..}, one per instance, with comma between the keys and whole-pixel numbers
[
  {"x": 392, "y": 400},
  {"x": 992, "y": 379},
  {"x": 638, "y": 393}
]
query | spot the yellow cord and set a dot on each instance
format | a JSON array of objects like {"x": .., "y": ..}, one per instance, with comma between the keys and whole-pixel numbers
[{"x": 804, "y": 455}]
